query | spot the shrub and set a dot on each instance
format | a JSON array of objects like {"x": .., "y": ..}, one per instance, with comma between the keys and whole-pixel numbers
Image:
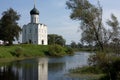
[
  {"x": 18, "y": 52},
  {"x": 56, "y": 50},
  {"x": 109, "y": 64},
  {"x": 69, "y": 51}
]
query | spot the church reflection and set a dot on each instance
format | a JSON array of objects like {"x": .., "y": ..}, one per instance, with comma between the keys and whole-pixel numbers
[
  {"x": 25, "y": 70},
  {"x": 43, "y": 69}
]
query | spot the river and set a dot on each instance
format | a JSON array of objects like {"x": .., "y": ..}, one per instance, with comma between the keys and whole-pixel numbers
[{"x": 43, "y": 68}]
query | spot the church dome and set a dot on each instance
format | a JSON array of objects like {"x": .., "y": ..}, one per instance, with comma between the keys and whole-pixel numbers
[{"x": 34, "y": 11}]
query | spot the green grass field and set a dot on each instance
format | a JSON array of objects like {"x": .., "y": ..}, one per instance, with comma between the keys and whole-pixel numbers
[
  {"x": 29, "y": 50},
  {"x": 26, "y": 50}
]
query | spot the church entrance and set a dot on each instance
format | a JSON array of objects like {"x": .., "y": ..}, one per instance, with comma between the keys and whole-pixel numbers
[
  {"x": 42, "y": 42},
  {"x": 30, "y": 41}
]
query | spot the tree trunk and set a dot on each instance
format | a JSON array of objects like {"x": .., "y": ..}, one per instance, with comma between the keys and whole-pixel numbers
[{"x": 10, "y": 42}]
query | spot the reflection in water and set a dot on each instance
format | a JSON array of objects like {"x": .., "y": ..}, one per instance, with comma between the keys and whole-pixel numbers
[
  {"x": 7, "y": 74},
  {"x": 58, "y": 67},
  {"x": 42, "y": 68},
  {"x": 25, "y": 70}
]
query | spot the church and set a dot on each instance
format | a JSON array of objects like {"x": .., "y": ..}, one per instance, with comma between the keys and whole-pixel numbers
[{"x": 34, "y": 32}]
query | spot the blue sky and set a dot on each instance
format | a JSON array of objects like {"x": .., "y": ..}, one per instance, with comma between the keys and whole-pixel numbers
[{"x": 54, "y": 14}]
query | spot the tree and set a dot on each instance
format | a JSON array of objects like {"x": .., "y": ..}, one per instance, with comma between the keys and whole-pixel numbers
[
  {"x": 9, "y": 28},
  {"x": 56, "y": 39},
  {"x": 115, "y": 33},
  {"x": 73, "y": 44},
  {"x": 79, "y": 45},
  {"x": 114, "y": 24},
  {"x": 90, "y": 17}
]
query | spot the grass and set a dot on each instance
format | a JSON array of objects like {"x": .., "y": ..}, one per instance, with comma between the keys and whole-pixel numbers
[
  {"x": 85, "y": 76},
  {"x": 86, "y": 72},
  {"x": 26, "y": 50},
  {"x": 29, "y": 50}
]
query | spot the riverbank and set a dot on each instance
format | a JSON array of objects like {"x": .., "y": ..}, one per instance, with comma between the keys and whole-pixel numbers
[
  {"x": 85, "y": 76},
  {"x": 105, "y": 66},
  {"x": 29, "y": 50},
  {"x": 86, "y": 72}
]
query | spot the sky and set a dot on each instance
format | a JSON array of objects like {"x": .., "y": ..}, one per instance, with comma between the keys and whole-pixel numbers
[{"x": 55, "y": 15}]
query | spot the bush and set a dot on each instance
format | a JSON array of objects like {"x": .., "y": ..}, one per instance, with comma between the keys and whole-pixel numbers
[
  {"x": 18, "y": 52},
  {"x": 56, "y": 50},
  {"x": 109, "y": 64},
  {"x": 69, "y": 51}
]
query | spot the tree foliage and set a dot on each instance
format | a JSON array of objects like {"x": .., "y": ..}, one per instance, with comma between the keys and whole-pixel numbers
[
  {"x": 56, "y": 50},
  {"x": 9, "y": 28},
  {"x": 115, "y": 33},
  {"x": 56, "y": 39},
  {"x": 94, "y": 32},
  {"x": 90, "y": 17},
  {"x": 73, "y": 44},
  {"x": 114, "y": 24}
]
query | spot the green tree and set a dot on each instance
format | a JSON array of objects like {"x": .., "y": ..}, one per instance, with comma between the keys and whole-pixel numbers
[
  {"x": 90, "y": 17},
  {"x": 114, "y": 24},
  {"x": 56, "y": 50},
  {"x": 9, "y": 28},
  {"x": 56, "y": 39},
  {"x": 73, "y": 44},
  {"x": 79, "y": 45},
  {"x": 115, "y": 33}
]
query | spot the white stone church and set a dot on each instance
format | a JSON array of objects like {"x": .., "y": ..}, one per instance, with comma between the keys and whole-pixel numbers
[{"x": 34, "y": 32}]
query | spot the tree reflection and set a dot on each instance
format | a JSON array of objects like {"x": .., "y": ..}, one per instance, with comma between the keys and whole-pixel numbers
[{"x": 6, "y": 73}]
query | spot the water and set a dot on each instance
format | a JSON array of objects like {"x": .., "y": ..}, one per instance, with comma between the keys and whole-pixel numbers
[{"x": 43, "y": 68}]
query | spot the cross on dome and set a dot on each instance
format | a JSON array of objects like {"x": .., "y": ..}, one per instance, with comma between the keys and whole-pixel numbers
[{"x": 34, "y": 11}]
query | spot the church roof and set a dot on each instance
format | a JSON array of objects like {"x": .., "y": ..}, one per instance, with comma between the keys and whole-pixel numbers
[{"x": 34, "y": 11}]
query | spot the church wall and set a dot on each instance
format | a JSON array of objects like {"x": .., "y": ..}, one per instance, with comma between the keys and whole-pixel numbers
[
  {"x": 35, "y": 34},
  {"x": 30, "y": 34},
  {"x": 42, "y": 34}
]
